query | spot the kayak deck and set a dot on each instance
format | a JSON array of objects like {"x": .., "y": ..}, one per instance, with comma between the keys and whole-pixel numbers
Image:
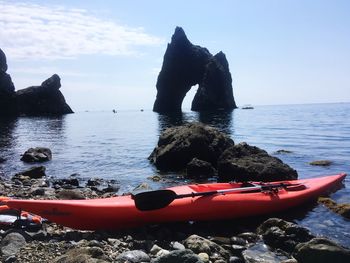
[{"x": 120, "y": 212}]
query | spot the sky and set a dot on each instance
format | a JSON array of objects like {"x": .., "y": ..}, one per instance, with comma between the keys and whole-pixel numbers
[{"x": 108, "y": 53}]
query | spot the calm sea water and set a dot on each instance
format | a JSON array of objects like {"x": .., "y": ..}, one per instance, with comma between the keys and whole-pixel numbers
[{"x": 116, "y": 146}]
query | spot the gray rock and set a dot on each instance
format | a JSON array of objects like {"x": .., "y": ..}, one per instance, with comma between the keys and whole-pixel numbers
[
  {"x": 84, "y": 254},
  {"x": 177, "y": 246},
  {"x": 38, "y": 154},
  {"x": 321, "y": 250},
  {"x": 243, "y": 162},
  {"x": 176, "y": 256},
  {"x": 134, "y": 256},
  {"x": 177, "y": 146},
  {"x": 200, "y": 244},
  {"x": 67, "y": 194},
  {"x": 11, "y": 244}
]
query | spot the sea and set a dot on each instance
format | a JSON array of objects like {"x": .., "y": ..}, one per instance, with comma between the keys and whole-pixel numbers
[{"x": 115, "y": 146}]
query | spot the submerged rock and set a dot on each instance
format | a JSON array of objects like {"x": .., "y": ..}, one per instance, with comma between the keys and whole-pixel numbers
[
  {"x": 243, "y": 162},
  {"x": 321, "y": 163},
  {"x": 186, "y": 65},
  {"x": 321, "y": 250},
  {"x": 341, "y": 209}
]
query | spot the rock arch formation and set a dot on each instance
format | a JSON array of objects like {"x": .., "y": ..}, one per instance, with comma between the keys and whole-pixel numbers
[{"x": 186, "y": 65}]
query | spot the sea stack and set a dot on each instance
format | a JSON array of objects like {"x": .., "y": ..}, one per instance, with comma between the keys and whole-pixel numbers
[
  {"x": 45, "y": 99},
  {"x": 7, "y": 89},
  {"x": 186, "y": 65}
]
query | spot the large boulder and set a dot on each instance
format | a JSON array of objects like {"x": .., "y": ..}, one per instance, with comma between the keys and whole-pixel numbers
[
  {"x": 186, "y": 65},
  {"x": 243, "y": 162},
  {"x": 177, "y": 146},
  {"x": 45, "y": 99}
]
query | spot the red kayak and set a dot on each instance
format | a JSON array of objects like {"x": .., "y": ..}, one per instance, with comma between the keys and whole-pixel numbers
[{"x": 204, "y": 202}]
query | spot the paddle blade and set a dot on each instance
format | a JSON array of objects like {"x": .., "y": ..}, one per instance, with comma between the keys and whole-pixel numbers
[{"x": 154, "y": 199}]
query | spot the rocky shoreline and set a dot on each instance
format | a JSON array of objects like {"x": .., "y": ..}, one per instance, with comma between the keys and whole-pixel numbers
[{"x": 274, "y": 240}]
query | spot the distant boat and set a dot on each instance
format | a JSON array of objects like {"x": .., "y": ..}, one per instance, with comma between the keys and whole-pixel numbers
[{"x": 247, "y": 107}]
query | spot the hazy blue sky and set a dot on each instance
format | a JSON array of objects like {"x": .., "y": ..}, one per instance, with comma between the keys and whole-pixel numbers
[{"x": 108, "y": 53}]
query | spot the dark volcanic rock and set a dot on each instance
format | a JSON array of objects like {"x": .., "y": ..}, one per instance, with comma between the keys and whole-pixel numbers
[
  {"x": 177, "y": 146},
  {"x": 7, "y": 89},
  {"x": 3, "y": 63},
  {"x": 34, "y": 172},
  {"x": 39, "y": 154},
  {"x": 321, "y": 250},
  {"x": 278, "y": 233},
  {"x": 200, "y": 169},
  {"x": 43, "y": 100},
  {"x": 243, "y": 162},
  {"x": 186, "y": 65},
  {"x": 215, "y": 90},
  {"x": 37, "y": 100}
]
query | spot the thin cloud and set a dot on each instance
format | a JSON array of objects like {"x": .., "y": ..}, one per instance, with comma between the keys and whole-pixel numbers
[{"x": 46, "y": 32}]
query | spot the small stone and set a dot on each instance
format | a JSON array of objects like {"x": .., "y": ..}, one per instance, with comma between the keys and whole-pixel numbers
[
  {"x": 249, "y": 236},
  {"x": 204, "y": 257},
  {"x": 162, "y": 252},
  {"x": 235, "y": 260},
  {"x": 133, "y": 256},
  {"x": 177, "y": 246},
  {"x": 238, "y": 241},
  {"x": 183, "y": 256},
  {"x": 155, "y": 249}
]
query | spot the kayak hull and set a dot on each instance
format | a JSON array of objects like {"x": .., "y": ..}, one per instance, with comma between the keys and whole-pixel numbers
[{"x": 120, "y": 212}]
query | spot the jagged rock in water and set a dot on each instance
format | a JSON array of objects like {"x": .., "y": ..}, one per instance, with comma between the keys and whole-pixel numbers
[
  {"x": 186, "y": 65},
  {"x": 3, "y": 64},
  {"x": 37, "y": 100},
  {"x": 7, "y": 89},
  {"x": 215, "y": 91},
  {"x": 243, "y": 162},
  {"x": 45, "y": 99},
  {"x": 177, "y": 146}
]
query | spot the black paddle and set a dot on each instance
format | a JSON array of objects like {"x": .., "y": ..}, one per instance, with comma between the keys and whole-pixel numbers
[{"x": 152, "y": 200}]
